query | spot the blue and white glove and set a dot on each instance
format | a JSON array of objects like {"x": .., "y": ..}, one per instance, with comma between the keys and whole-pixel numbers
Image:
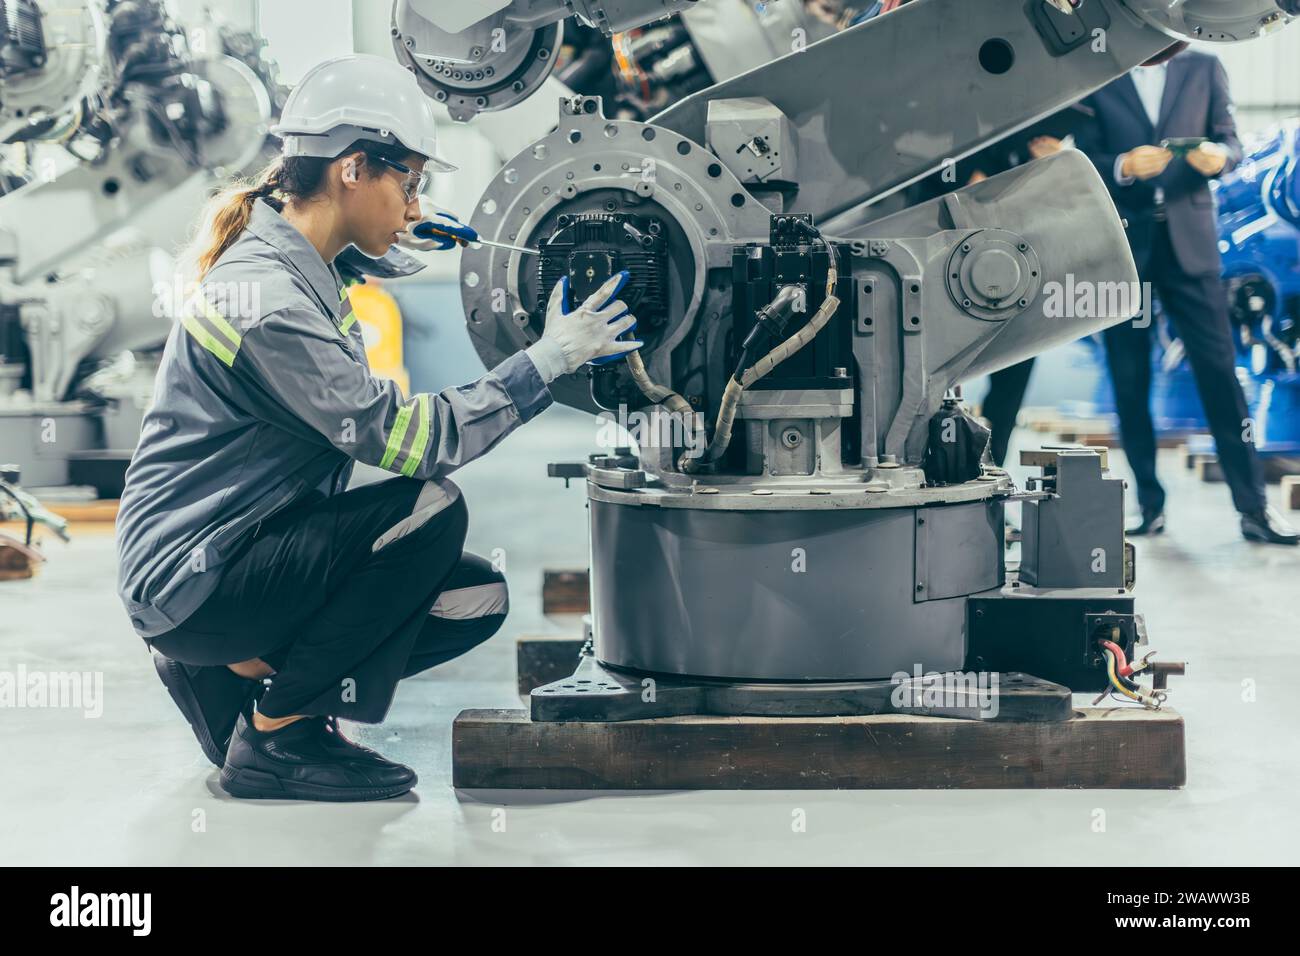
[
  {"x": 589, "y": 333},
  {"x": 437, "y": 231}
]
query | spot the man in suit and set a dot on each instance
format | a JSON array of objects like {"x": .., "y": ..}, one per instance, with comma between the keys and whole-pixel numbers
[{"x": 1167, "y": 203}]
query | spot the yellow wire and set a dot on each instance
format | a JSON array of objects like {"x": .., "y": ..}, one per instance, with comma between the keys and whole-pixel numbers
[{"x": 1114, "y": 678}]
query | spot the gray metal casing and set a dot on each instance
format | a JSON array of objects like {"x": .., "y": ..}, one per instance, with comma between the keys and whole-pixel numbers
[
  {"x": 735, "y": 125},
  {"x": 1075, "y": 540},
  {"x": 715, "y": 593}
]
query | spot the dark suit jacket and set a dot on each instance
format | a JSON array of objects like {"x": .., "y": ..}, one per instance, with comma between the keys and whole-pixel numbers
[{"x": 1196, "y": 103}]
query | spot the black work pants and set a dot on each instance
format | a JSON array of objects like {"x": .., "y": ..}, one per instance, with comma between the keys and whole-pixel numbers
[
  {"x": 1002, "y": 404},
  {"x": 1198, "y": 310},
  {"x": 344, "y": 596}
]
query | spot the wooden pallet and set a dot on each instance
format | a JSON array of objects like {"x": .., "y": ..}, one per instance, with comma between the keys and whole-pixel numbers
[
  {"x": 544, "y": 658},
  {"x": 102, "y": 512},
  {"x": 1100, "y": 748},
  {"x": 565, "y": 592},
  {"x": 504, "y": 749},
  {"x": 1279, "y": 468},
  {"x": 1291, "y": 492},
  {"x": 1080, "y": 430},
  {"x": 17, "y": 560}
]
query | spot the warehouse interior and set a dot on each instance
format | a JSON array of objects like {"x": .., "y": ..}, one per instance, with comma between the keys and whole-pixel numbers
[{"x": 741, "y": 719}]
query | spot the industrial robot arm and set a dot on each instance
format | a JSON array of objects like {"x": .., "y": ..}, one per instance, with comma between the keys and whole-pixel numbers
[
  {"x": 700, "y": 202},
  {"x": 149, "y": 125},
  {"x": 478, "y": 55},
  {"x": 820, "y": 342}
]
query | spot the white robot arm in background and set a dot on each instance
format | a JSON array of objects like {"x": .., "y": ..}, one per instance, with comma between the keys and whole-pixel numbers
[{"x": 113, "y": 127}]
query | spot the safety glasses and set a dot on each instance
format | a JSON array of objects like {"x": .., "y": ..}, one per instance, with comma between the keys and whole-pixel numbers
[{"x": 415, "y": 184}]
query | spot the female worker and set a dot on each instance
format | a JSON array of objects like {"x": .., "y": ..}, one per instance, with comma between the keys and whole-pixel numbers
[{"x": 242, "y": 556}]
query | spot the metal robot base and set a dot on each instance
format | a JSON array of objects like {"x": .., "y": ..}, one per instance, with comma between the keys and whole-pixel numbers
[{"x": 598, "y": 692}]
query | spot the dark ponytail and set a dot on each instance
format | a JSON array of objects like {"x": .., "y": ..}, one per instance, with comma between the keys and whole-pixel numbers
[{"x": 227, "y": 215}]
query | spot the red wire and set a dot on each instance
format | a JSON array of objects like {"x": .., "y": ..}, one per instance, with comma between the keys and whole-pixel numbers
[{"x": 1122, "y": 666}]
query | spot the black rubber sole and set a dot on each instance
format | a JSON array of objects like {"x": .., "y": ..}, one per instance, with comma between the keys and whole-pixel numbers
[
  {"x": 248, "y": 784},
  {"x": 1264, "y": 539},
  {"x": 181, "y": 690}
]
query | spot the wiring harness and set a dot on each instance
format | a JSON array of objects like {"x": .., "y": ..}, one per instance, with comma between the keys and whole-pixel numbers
[{"x": 1120, "y": 673}]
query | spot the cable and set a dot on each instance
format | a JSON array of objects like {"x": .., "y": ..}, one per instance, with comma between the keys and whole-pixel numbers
[
  {"x": 1151, "y": 699},
  {"x": 1115, "y": 679},
  {"x": 662, "y": 395},
  {"x": 1122, "y": 662},
  {"x": 735, "y": 387}
]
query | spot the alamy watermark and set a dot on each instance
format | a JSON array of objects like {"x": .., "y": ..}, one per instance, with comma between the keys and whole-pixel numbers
[
  {"x": 1085, "y": 299},
  {"x": 239, "y": 302},
  {"x": 653, "y": 427},
  {"x": 950, "y": 689},
  {"x": 66, "y": 690},
  {"x": 75, "y": 908}
]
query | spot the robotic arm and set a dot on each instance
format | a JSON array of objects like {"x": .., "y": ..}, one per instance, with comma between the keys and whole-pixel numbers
[
  {"x": 150, "y": 125},
  {"x": 817, "y": 135},
  {"x": 807, "y": 349},
  {"x": 479, "y": 55}
]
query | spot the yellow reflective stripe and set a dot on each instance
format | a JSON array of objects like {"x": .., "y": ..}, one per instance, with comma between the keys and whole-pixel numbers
[
  {"x": 349, "y": 312},
  {"x": 421, "y": 438},
  {"x": 208, "y": 340},
  {"x": 396, "y": 436},
  {"x": 219, "y": 322}
]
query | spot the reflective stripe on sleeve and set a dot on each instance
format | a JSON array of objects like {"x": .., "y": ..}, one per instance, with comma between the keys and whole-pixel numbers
[
  {"x": 349, "y": 316},
  {"x": 408, "y": 440},
  {"x": 396, "y": 436},
  {"x": 421, "y": 437},
  {"x": 211, "y": 330}
]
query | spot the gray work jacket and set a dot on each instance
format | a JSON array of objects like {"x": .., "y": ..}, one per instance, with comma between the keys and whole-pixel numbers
[{"x": 264, "y": 397}]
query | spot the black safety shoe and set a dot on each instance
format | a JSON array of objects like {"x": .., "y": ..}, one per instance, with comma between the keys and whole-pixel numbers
[
  {"x": 332, "y": 737},
  {"x": 1269, "y": 527},
  {"x": 308, "y": 760},
  {"x": 1151, "y": 524},
  {"x": 211, "y": 698}
]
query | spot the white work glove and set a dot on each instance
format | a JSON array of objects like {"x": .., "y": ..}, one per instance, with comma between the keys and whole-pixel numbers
[{"x": 587, "y": 334}]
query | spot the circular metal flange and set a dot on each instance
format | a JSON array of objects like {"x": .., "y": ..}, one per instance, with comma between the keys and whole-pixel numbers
[
  {"x": 815, "y": 495},
  {"x": 76, "y": 46},
  {"x": 508, "y": 70},
  {"x": 585, "y": 164},
  {"x": 993, "y": 274},
  {"x": 246, "y": 103},
  {"x": 1222, "y": 21}
]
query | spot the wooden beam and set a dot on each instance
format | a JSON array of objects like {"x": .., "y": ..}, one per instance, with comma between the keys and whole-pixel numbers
[
  {"x": 1291, "y": 492},
  {"x": 565, "y": 592},
  {"x": 545, "y": 658},
  {"x": 1099, "y": 748}
]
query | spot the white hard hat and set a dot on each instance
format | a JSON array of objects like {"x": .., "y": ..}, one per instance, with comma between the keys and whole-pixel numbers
[{"x": 354, "y": 97}]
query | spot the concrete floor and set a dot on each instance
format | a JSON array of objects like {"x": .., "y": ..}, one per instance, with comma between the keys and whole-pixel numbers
[{"x": 131, "y": 787}]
